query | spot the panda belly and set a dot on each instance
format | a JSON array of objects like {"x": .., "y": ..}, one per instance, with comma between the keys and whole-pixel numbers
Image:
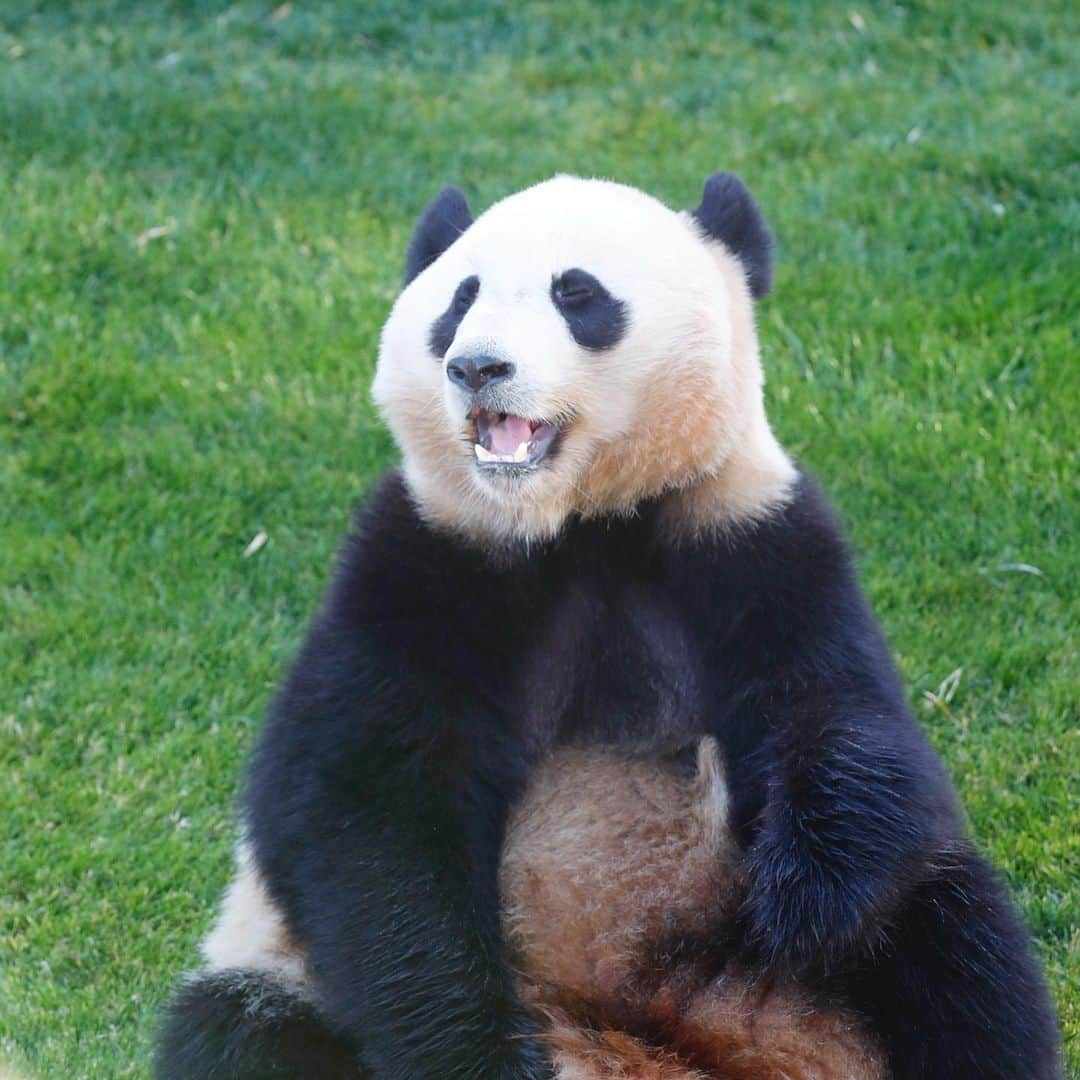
[{"x": 612, "y": 869}]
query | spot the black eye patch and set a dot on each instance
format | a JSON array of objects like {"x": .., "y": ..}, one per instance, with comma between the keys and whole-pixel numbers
[
  {"x": 595, "y": 318},
  {"x": 445, "y": 326}
]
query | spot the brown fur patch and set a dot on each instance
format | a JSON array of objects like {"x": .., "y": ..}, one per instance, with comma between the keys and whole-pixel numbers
[
  {"x": 581, "y": 1053},
  {"x": 753, "y": 475},
  {"x": 606, "y": 858},
  {"x": 608, "y": 855},
  {"x": 749, "y": 1032},
  {"x": 687, "y": 420}
]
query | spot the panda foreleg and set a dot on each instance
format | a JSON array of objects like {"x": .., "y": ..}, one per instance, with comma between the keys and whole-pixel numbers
[
  {"x": 853, "y": 800},
  {"x": 380, "y": 842},
  {"x": 861, "y": 871}
]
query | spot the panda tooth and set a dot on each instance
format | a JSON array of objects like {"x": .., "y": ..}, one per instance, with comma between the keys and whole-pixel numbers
[{"x": 518, "y": 457}]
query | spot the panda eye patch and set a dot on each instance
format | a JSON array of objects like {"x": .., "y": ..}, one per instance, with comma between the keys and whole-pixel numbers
[
  {"x": 573, "y": 288},
  {"x": 466, "y": 294},
  {"x": 596, "y": 319},
  {"x": 443, "y": 329}
]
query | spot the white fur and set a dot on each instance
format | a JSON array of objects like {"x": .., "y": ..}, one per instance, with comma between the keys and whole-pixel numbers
[
  {"x": 676, "y": 403},
  {"x": 250, "y": 933}
]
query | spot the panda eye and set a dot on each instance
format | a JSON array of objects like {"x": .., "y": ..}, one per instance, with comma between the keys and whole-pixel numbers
[
  {"x": 466, "y": 294},
  {"x": 596, "y": 319},
  {"x": 573, "y": 289}
]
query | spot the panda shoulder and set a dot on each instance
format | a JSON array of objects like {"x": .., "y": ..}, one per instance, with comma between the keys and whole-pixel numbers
[
  {"x": 791, "y": 571},
  {"x": 387, "y": 508},
  {"x": 394, "y": 563},
  {"x": 788, "y": 539}
]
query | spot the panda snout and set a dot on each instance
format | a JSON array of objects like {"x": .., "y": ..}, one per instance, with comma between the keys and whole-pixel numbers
[{"x": 476, "y": 373}]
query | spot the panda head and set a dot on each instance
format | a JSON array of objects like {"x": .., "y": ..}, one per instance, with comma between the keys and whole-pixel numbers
[{"x": 577, "y": 349}]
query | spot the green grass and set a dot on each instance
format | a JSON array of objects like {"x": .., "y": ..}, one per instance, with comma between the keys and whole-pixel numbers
[{"x": 203, "y": 211}]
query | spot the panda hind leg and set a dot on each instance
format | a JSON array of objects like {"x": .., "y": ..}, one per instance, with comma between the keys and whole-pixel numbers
[
  {"x": 959, "y": 992},
  {"x": 244, "y": 1025}
]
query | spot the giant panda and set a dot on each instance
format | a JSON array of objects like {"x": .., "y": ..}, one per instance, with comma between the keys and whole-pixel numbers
[{"x": 594, "y": 762}]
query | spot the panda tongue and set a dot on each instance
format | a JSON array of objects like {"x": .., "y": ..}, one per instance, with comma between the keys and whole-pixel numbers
[{"x": 508, "y": 434}]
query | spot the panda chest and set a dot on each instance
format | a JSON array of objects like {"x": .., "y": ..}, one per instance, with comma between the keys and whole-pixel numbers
[{"x": 614, "y": 667}]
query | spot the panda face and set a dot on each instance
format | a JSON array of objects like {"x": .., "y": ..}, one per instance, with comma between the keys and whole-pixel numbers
[
  {"x": 487, "y": 381},
  {"x": 578, "y": 348}
]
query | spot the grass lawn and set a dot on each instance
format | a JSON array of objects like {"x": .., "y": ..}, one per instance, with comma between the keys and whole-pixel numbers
[{"x": 203, "y": 212}]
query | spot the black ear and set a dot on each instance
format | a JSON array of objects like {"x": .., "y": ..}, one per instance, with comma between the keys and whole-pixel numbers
[
  {"x": 447, "y": 216},
  {"x": 728, "y": 213}
]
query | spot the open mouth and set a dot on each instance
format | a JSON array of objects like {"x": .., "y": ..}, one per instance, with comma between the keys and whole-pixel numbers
[{"x": 505, "y": 441}]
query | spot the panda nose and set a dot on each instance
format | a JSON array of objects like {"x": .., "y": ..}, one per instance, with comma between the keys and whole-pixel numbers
[{"x": 476, "y": 372}]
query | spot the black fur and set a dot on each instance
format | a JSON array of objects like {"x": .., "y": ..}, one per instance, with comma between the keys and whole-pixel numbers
[
  {"x": 435, "y": 675},
  {"x": 234, "y": 1025},
  {"x": 447, "y": 216},
  {"x": 595, "y": 318},
  {"x": 443, "y": 329},
  {"x": 728, "y": 213}
]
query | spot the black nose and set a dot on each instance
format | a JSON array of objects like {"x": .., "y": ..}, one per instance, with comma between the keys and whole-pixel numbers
[{"x": 476, "y": 372}]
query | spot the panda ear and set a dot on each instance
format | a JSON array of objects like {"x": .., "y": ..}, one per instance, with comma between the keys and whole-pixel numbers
[
  {"x": 447, "y": 216},
  {"x": 728, "y": 213}
]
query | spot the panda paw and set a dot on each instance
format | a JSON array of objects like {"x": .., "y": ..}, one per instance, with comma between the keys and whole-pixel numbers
[{"x": 801, "y": 912}]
